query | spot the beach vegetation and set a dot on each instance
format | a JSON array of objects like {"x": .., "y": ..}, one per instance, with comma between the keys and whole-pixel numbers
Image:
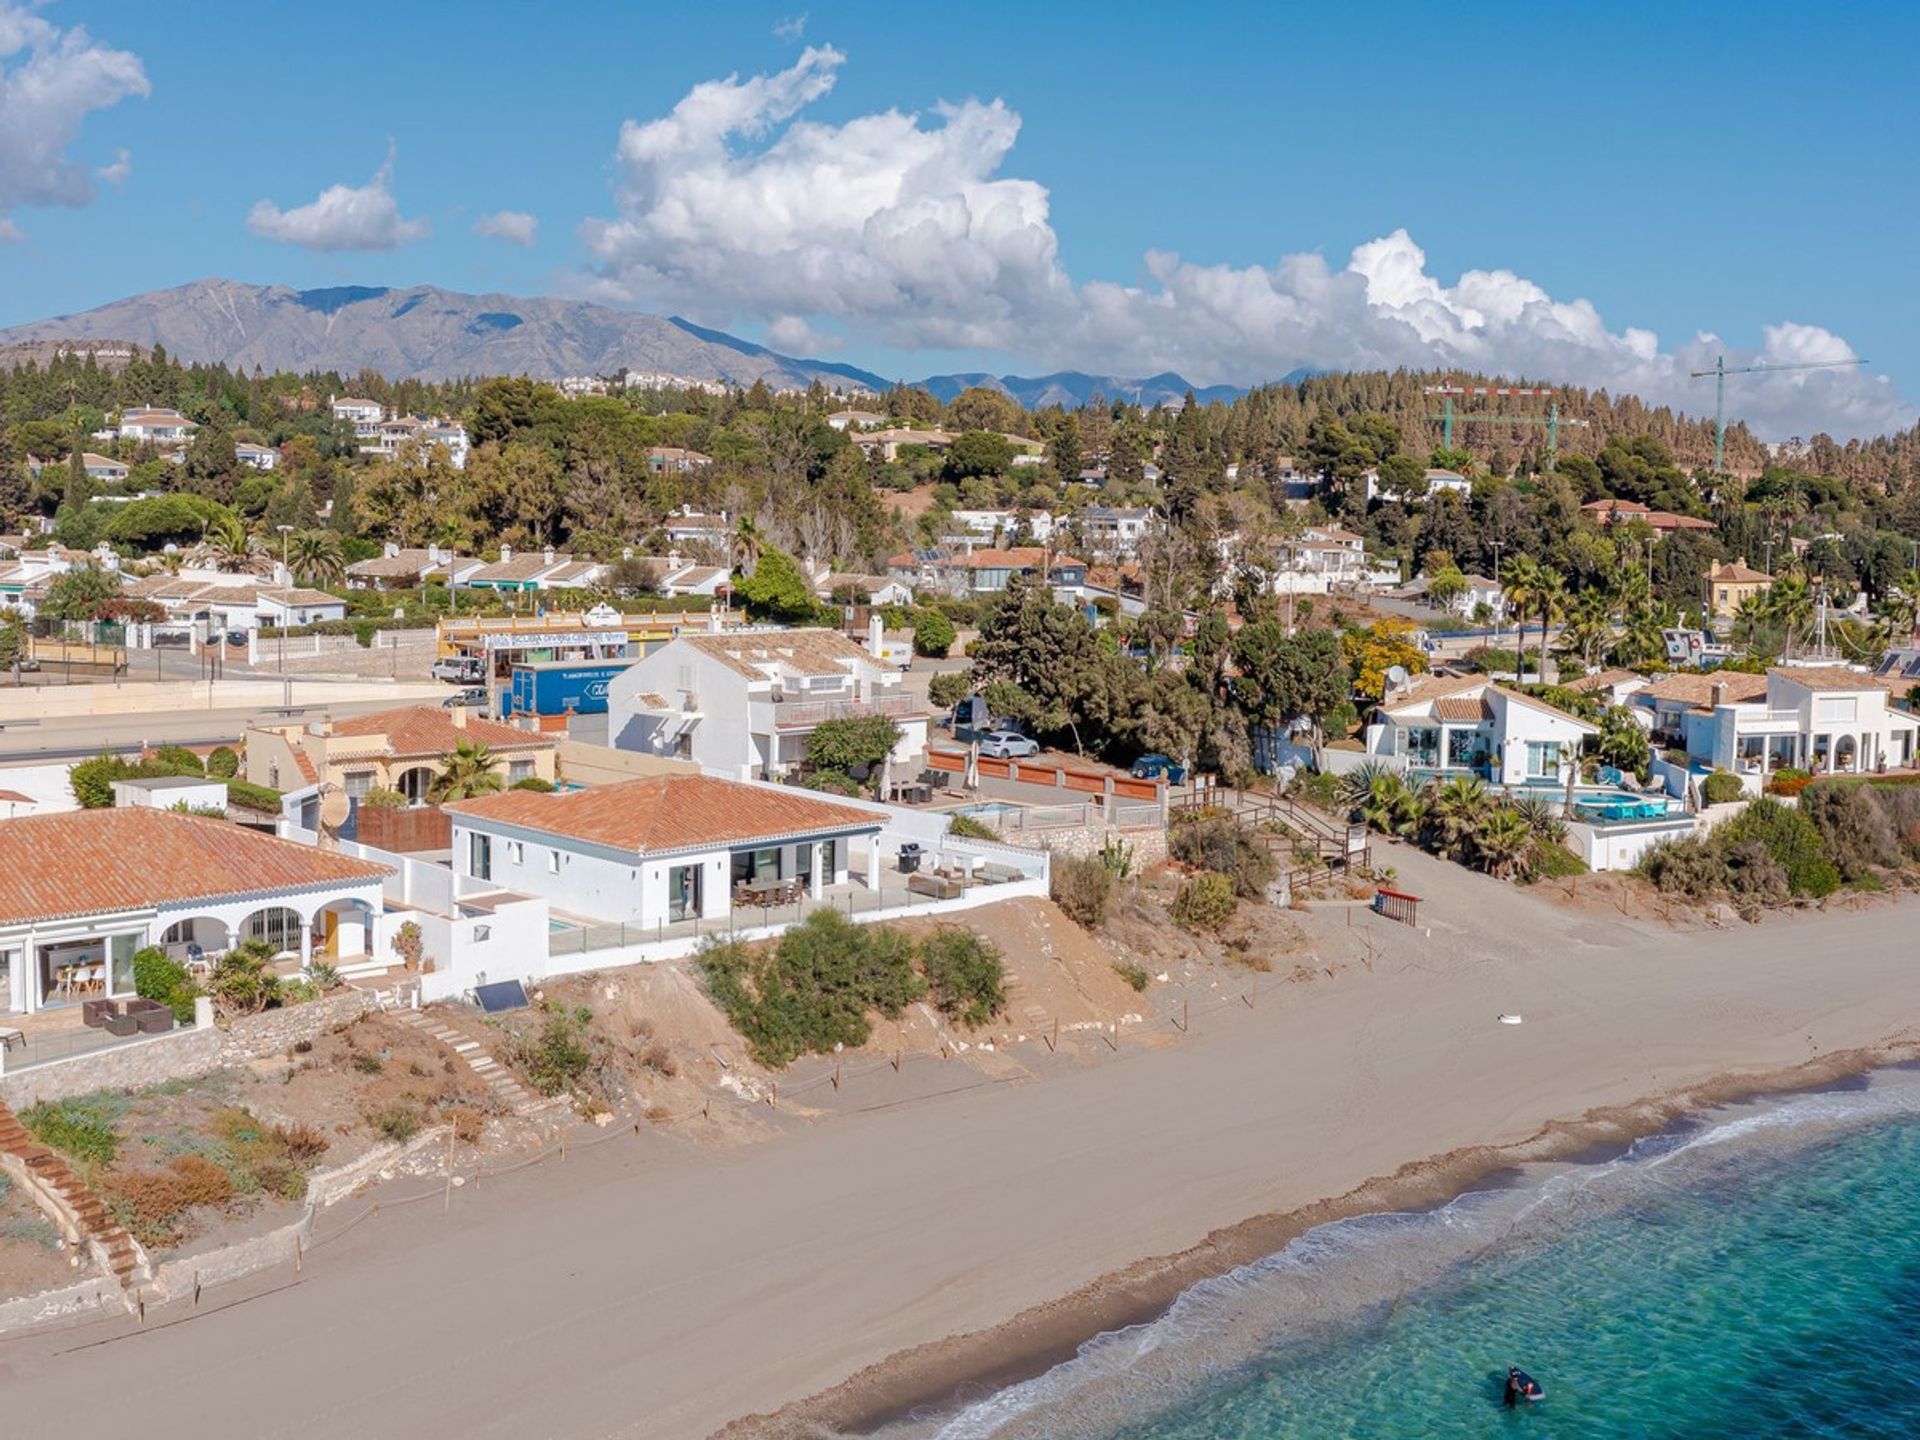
[
  {"x": 1206, "y": 902},
  {"x": 966, "y": 978},
  {"x": 1133, "y": 973},
  {"x": 1083, "y": 887},
  {"x": 557, "y": 1054},
  {"x": 1215, "y": 841},
  {"x": 1721, "y": 788}
]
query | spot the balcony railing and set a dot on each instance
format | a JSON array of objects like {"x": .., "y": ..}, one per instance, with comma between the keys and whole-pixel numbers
[{"x": 791, "y": 714}]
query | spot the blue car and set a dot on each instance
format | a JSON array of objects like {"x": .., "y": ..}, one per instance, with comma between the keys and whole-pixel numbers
[{"x": 1152, "y": 767}]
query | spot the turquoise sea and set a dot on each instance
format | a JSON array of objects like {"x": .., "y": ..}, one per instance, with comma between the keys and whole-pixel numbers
[{"x": 1755, "y": 1272}]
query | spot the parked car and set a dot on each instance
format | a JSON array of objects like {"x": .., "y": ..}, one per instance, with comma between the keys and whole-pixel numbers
[
  {"x": 237, "y": 637},
  {"x": 460, "y": 669},
  {"x": 1152, "y": 767},
  {"x": 474, "y": 698},
  {"x": 1008, "y": 745}
]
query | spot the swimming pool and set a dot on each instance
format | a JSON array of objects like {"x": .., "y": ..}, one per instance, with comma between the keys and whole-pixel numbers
[{"x": 555, "y": 927}]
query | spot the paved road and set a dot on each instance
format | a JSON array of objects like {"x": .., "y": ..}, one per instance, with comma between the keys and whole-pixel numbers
[{"x": 79, "y": 737}]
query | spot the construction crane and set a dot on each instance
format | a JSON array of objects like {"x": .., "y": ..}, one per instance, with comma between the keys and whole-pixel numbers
[
  {"x": 1720, "y": 373},
  {"x": 1551, "y": 419}
]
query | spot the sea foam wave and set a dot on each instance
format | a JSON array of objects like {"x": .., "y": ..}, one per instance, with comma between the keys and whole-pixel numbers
[{"x": 1349, "y": 1270}]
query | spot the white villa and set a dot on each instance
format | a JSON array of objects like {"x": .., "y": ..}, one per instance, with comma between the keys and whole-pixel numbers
[
  {"x": 1472, "y": 725},
  {"x": 743, "y": 704},
  {"x": 162, "y": 427},
  {"x": 1823, "y": 718},
  {"x": 1114, "y": 532},
  {"x": 84, "y": 891},
  {"x": 256, "y": 457},
  {"x": 661, "y": 849}
]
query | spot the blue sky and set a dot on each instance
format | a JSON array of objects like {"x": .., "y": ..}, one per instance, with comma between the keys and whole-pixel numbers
[{"x": 1684, "y": 169}]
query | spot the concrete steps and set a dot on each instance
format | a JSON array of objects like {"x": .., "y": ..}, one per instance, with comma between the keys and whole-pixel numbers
[
  {"x": 86, "y": 1211},
  {"x": 509, "y": 1091}
]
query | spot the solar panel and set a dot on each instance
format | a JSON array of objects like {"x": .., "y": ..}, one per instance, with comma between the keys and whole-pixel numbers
[{"x": 500, "y": 995}]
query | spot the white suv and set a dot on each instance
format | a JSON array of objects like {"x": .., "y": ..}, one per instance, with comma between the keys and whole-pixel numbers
[{"x": 1008, "y": 745}]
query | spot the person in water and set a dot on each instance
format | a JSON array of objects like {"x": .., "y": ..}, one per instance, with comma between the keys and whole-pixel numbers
[{"x": 1522, "y": 1386}]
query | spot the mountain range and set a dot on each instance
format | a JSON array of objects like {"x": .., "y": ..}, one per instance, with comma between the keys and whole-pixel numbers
[{"x": 424, "y": 332}]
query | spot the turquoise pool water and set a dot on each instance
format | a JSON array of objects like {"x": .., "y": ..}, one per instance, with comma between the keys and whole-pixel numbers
[
  {"x": 556, "y": 926},
  {"x": 1756, "y": 1274}
]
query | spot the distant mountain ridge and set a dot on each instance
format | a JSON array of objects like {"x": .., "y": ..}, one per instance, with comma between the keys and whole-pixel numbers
[{"x": 424, "y": 332}]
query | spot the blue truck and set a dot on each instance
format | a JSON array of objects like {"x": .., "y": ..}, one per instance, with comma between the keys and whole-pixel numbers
[{"x": 561, "y": 687}]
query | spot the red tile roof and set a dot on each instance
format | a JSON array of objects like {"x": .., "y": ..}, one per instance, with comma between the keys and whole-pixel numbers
[
  {"x": 86, "y": 862},
  {"x": 663, "y": 813},
  {"x": 429, "y": 730}
]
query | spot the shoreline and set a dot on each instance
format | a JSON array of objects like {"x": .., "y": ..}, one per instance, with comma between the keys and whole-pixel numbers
[{"x": 944, "y": 1375}]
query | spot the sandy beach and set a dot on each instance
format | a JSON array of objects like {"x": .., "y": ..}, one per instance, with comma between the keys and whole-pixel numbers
[{"x": 657, "y": 1288}]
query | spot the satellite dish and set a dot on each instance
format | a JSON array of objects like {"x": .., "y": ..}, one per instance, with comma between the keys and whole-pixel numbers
[
  {"x": 1396, "y": 676},
  {"x": 334, "y": 809}
]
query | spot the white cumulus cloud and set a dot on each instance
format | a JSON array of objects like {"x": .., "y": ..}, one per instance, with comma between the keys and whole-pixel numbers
[
  {"x": 515, "y": 226},
  {"x": 735, "y": 206},
  {"x": 50, "y": 81},
  {"x": 343, "y": 217}
]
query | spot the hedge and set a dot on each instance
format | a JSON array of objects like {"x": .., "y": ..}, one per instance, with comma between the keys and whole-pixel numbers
[{"x": 253, "y": 797}]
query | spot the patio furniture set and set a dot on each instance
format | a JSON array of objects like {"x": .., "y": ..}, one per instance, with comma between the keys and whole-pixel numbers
[
  {"x": 949, "y": 882},
  {"x": 127, "y": 1017},
  {"x": 768, "y": 893}
]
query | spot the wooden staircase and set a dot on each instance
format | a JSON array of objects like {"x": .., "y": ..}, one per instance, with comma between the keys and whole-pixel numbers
[{"x": 83, "y": 1213}]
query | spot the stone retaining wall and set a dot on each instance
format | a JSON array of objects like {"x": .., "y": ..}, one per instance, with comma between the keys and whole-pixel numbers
[
  {"x": 1149, "y": 845},
  {"x": 133, "y": 1065},
  {"x": 275, "y": 1032}
]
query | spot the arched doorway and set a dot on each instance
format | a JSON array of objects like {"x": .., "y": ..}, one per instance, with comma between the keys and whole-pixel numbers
[
  {"x": 415, "y": 783},
  {"x": 276, "y": 926},
  {"x": 201, "y": 938},
  {"x": 1846, "y": 752}
]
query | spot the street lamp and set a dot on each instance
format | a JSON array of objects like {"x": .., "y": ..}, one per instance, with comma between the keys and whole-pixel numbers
[{"x": 286, "y": 607}]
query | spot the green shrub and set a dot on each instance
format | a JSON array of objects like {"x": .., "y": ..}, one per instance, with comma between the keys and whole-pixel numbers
[
  {"x": 157, "y": 976},
  {"x": 1134, "y": 974},
  {"x": 1219, "y": 843},
  {"x": 1690, "y": 867},
  {"x": 1790, "y": 839},
  {"x": 535, "y": 784},
  {"x": 180, "y": 760},
  {"x": 399, "y": 1122},
  {"x": 1081, "y": 885},
  {"x": 80, "y": 1128},
  {"x": 814, "y": 988},
  {"x": 556, "y": 1056},
  {"x": 1788, "y": 781},
  {"x": 384, "y": 800},
  {"x": 970, "y": 827},
  {"x": 243, "y": 982},
  {"x": 1721, "y": 788},
  {"x": 832, "y": 782},
  {"x": 223, "y": 763},
  {"x": 1854, "y": 827},
  {"x": 1206, "y": 902},
  {"x": 966, "y": 978},
  {"x": 933, "y": 634},
  {"x": 1554, "y": 862},
  {"x": 253, "y": 797}
]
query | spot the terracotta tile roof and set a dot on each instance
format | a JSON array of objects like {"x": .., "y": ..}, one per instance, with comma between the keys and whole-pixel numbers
[
  {"x": 1461, "y": 707},
  {"x": 429, "y": 730},
  {"x": 1422, "y": 688},
  {"x": 665, "y": 813},
  {"x": 804, "y": 652},
  {"x": 1616, "y": 507},
  {"x": 85, "y": 862},
  {"x": 1737, "y": 573},
  {"x": 1827, "y": 677},
  {"x": 1698, "y": 689},
  {"x": 1605, "y": 680}
]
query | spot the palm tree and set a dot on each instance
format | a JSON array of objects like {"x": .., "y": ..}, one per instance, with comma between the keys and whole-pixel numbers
[
  {"x": 1543, "y": 817},
  {"x": 1504, "y": 842},
  {"x": 1520, "y": 583},
  {"x": 1549, "y": 603},
  {"x": 1790, "y": 604},
  {"x": 1752, "y": 620},
  {"x": 1455, "y": 810},
  {"x": 230, "y": 545},
  {"x": 1383, "y": 806},
  {"x": 316, "y": 557},
  {"x": 1589, "y": 623},
  {"x": 746, "y": 544},
  {"x": 1357, "y": 784},
  {"x": 468, "y": 770},
  {"x": 1640, "y": 638}
]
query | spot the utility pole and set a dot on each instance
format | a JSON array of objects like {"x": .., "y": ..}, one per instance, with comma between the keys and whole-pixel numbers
[{"x": 286, "y": 579}]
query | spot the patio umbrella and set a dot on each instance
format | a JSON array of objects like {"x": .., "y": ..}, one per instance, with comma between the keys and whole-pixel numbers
[
  {"x": 972, "y": 781},
  {"x": 886, "y": 776}
]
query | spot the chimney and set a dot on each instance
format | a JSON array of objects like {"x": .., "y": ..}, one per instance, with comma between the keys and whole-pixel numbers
[
  {"x": 433, "y": 554},
  {"x": 1717, "y": 696},
  {"x": 459, "y": 717},
  {"x": 549, "y": 554},
  {"x": 392, "y": 547},
  {"x": 506, "y": 553},
  {"x": 875, "y": 633}
]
